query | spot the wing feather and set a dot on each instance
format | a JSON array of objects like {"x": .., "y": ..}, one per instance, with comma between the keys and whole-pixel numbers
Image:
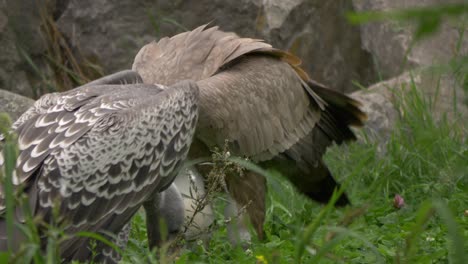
[
  {"x": 193, "y": 55},
  {"x": 273, "y": 116},
  {"x": 103, "y": 150},
  {"x": 260, "y": 116},
  {"x": 256, "y": 96}
]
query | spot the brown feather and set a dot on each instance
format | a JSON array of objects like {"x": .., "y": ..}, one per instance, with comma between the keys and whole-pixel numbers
[
  {"x": 259, "y": 99},
  {"x": 249, "y": 191}
]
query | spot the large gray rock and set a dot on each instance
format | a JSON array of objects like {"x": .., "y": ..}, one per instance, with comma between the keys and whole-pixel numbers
[
  {"x": 23, "y": 46},
  {"x": 13, "y": 104},
  {"x": 317, "y": 31},
  {"x": 12, "y": 77},
  {"x": 111, "y": 32},
  {"x": 385, "y": 102},
  {"x": 34, "y": 53},
  {"x": 393, "y": 45}
]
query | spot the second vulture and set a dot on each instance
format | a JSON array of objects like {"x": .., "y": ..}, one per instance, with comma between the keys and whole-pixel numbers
[{"x": 258, "y": 99}]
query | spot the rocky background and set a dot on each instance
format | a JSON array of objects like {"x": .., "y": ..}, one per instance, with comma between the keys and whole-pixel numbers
[{"x": 49, "y": 45}]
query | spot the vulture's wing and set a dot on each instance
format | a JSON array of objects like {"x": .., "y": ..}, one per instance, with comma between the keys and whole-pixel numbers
[
  {"x": 98, "y": 152},
  {"x": 260, "y": 100},
  {"x": 193, "y": 55},
  {"x": 254, "y": 95},
  {"x": 51, "y": 107}
]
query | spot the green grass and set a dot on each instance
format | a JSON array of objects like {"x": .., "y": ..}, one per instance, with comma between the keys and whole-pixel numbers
[{"x": 425, "y": 161}]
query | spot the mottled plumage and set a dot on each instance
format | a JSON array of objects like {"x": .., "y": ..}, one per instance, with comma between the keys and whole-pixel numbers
[
  {"x": 261, "y": 101},
  {"x": 100, "y": 151}
]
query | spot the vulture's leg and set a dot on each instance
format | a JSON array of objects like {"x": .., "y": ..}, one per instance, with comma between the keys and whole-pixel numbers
[
  {"x": 172, "y": 212},
  {"x": 153, "y": 226},
  {"x": 249, "y": 191}
]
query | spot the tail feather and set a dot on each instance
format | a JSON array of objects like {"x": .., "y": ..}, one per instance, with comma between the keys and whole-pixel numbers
[
  {"x": 315, "y": 182},
  {"x": 323, "y": 194},
  {"x": 340, "y": 113},
  {"x": 318, "y": 184},
  {"x": 343, "y": 107}
]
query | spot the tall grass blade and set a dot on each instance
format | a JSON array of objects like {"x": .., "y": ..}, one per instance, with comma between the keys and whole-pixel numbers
[
  {"x": 423, "y": 216},
  {"x": 10, "y": 153},
  {"x": 457, "y": 251}
]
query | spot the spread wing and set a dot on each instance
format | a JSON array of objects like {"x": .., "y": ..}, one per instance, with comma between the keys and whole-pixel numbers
[
  {"x": 99, "y": 151},
  {"x": 259, "y": 99},
  {"x": 251, "y": 94}
]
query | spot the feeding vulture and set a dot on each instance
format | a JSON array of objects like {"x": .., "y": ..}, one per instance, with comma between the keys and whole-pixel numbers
[
  {"x": 98, "y": 153},
  {"x": 260, "y": 100}
]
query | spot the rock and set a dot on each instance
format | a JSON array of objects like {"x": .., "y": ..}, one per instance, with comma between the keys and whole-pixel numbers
[
  {"x": 35, "y": 56},
  {"x": 383, "y": 101},
  {"x": 317, "y": 31},
  {"x": 392, "y": 44},
  {"x": 395, "y": 53},
  {"x": 382, "y": 115},
  {"x": 11, "y": 78},
  {"x": 25, "y": 20},
  {"x": 13, "y": 104},
  {"x": 111, "y": 32},
  {"x": 22, "y": 45}
]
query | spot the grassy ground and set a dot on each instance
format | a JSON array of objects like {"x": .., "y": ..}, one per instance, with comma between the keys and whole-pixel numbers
[{"x": 426, "y": 162}]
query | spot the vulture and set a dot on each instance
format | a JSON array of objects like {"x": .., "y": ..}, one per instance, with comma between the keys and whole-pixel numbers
[
  {"x": 263, "y": 104},
  {"x": 97, "y": 153}
]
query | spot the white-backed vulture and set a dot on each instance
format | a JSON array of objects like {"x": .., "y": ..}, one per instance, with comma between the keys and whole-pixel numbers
[{"x": 258, "y": 99}]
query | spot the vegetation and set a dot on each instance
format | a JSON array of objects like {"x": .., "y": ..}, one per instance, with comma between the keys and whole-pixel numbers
[{"x": 60, "y": 67}]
